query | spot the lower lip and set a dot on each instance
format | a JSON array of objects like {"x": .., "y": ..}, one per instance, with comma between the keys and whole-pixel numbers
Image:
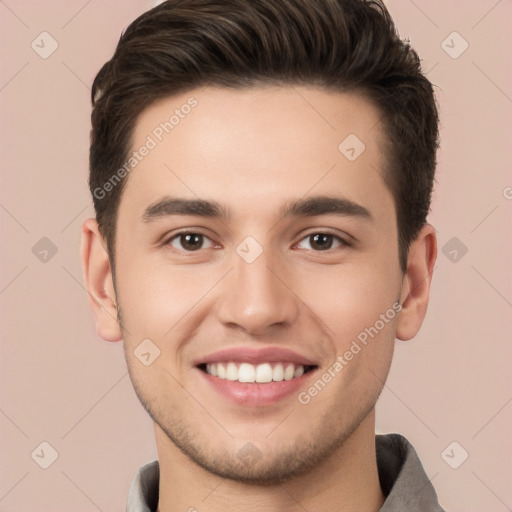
[{"x": 253, "y": 393}]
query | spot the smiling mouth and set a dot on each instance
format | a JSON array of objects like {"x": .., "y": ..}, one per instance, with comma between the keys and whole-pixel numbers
[{"x": 255, "y": 373}]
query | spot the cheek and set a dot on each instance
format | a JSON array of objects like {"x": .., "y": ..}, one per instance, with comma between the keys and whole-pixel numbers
[
  {"x": 155, "y": 296},
  {"x": 359, "y": 307},
  {"x": 353, "y": 298}
]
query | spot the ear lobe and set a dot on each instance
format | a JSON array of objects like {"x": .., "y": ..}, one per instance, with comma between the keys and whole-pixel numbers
[
  {"x": 98, "y": 280},
  {"x": 416, "y": 283}
]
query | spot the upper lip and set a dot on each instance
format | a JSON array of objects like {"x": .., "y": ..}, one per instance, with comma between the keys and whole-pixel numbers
[{"x": 255, "y": 356}]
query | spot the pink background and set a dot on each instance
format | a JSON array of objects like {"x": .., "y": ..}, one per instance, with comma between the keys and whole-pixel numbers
[{"x": 62, "y": 384}]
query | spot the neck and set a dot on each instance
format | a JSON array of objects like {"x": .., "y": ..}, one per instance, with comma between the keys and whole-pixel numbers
[{"x": 346, "y": 481}]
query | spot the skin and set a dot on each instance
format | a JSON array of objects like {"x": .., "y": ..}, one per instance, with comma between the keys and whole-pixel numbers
[{"x": 253, "y": 151}]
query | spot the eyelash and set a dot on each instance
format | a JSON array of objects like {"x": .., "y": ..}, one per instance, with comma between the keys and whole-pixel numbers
[{"x": 342, "y": 241}]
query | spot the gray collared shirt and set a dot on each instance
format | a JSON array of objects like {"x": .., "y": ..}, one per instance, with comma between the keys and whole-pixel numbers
[{"x": 402, "y": 479}]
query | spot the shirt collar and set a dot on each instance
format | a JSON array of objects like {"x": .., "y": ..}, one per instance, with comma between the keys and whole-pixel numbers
[{"x": 402, "y": 479}]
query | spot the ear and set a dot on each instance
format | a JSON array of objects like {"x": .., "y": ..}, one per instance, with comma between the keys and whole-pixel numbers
[
  {"x": 416, "y": 283},
  {"x": 98, "y": 280}
]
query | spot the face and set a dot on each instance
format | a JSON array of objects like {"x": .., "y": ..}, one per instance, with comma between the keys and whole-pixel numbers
[{"x": 260, "y": 259}]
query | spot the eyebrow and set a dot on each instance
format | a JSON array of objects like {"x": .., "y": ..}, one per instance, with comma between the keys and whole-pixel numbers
[
  {"x": 176, "y": 206},
  {"x": 308, "y": 207},
  {"x": 325, "y": 205}
]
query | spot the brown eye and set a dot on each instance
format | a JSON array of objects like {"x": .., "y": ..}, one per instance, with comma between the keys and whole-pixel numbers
[
  {"x": 322, "y": 241},
  {"x": 188, "y": 241}
]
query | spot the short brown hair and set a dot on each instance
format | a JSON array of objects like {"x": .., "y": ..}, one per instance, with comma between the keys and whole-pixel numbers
[{"x": 339, "y": 45}]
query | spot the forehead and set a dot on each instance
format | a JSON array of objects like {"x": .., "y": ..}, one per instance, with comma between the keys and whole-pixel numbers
[{"x": 262, "y": 145}]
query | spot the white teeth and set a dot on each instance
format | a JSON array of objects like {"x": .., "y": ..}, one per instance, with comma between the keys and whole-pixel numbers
[
  {"x": 264, "y": 373},
  {"x": 246, "y": 373},
  {"x": 261, "y": 373},
  {"x": 221, "y": 371},
  {"x": 288, "y": 373},
  {"x": 278, "y": 373},
  {"x": 232, "y": 372}
]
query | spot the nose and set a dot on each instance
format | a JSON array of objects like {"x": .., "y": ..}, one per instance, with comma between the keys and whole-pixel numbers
[{"x": 256, "y": 297}]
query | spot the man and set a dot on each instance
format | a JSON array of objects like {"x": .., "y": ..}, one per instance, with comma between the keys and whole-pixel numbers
[{"x": 261, "y": 173}]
